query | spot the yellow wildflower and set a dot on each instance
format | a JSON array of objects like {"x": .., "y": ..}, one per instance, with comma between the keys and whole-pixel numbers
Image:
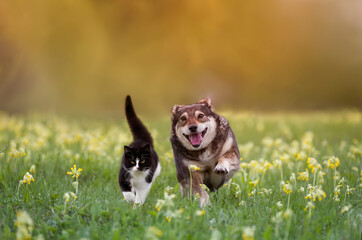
[
  {"x": 304, "y": 175},
  {"x": 320, "y": 194},
  {"x": 75, "y": 172},
  {"x": 28, "y": 178},
  {"x": 204, "y": 187},
  {"x": 153, "y": 233},
  {"x": 200, "y": 212},
  {"x": 252, "y": 193},
  {"x": 168, "y": 190},
  {"x": 285, "y": 157},
  {"x": 248, "y": 233},
  {"x": 67, "y": 196},
  {"x": 292, "y": 178},
  {"x": 16, "y": 153},
  {"x": 315, "y": 193},
  {"x": 313, "y": 164},
  {"x": 277, "y": 163},
  {"x": 349, "y": 190},
  {"x": 278, "y": 218},
  {"x": 288, "y": 213},
  {"x": 310, "y": 205},
  {"x": 287, "y": 188},
  {"x": 321, "y": 175},
  {"x": 159, "y": 204},
  {"x": 244, "y": 165},
  {"x": 266, "y": 166},
  {"x": 194, "y": 167},
  {"x": 24, "y": 225},
  {"x": 333, "y": 162},
  {"x": 254, "y": 183},
  {"x": 32, "y": 169},
  {"x": 345, "y": 209},
  {"x": 301, "y": 156}
]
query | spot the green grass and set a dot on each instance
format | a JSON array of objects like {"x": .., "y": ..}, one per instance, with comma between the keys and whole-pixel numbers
[{"x": 54, "y": 144}]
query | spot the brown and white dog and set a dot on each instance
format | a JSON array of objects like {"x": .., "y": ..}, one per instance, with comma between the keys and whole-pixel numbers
[{"x": 203, "y": 138}]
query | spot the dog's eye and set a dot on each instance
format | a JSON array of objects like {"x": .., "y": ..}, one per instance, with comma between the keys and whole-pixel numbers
[
  {"x": 201, "y": 115},
  {"x": 183, "y": 118}
]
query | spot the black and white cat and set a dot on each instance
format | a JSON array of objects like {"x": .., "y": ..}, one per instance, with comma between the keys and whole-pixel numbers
[{"x": 140, "y": 165}]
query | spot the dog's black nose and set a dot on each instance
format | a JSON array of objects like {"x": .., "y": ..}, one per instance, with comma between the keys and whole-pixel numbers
[{"x": 193, "y": 128}]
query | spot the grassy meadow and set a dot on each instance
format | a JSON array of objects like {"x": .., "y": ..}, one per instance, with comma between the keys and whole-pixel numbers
[{"x": 300, "y": 178}]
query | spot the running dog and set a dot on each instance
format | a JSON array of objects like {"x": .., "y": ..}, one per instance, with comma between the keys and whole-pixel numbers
[{"x": 202, "y": 138}]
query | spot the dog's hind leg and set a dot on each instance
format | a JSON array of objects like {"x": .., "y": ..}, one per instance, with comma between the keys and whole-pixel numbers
[
  {"x": 196, "y": 189},
  {"x": 184, "y": 187}
]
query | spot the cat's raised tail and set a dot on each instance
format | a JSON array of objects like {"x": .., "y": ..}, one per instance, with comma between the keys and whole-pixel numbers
[{"x": 138, "y": 129}]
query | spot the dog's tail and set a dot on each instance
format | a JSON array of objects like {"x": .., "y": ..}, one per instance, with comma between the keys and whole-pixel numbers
[{"x": 138, "y": 129}]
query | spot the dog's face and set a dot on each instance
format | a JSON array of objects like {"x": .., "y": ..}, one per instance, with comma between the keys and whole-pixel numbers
[{"x": 195, "y": 125}]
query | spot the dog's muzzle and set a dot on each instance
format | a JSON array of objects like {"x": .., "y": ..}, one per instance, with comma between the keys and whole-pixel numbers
[{"x": 195, "y": 138}]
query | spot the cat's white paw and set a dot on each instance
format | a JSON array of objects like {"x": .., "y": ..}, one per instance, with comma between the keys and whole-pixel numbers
[
  {"x": 136, "y": 204},
  {"x": 129, "y": 197},
  {"x": 140, "y": 199}
]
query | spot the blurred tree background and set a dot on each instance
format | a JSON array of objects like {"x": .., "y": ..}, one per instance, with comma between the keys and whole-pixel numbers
[{"x": 84, "y": 56}]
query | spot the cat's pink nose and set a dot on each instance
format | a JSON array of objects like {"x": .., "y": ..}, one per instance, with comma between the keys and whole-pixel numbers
[{"x": 137, "y": 168}]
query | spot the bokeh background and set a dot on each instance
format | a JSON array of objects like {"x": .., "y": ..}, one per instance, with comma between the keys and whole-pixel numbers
[{"x": 84, "y": 56}]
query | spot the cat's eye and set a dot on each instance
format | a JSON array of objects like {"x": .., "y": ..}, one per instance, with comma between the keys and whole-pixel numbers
[
  {"x": 132, "y": 162},
  {"x": 143, "y": 161},
  {"x": 201, "y": 115},
  {"x": 183, "y": 118}
]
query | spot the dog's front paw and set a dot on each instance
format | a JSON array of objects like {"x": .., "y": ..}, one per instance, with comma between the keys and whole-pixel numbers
[{"x": 220, "y": 169}]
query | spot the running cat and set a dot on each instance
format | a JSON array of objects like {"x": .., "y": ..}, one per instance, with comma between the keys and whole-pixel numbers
[{"x": 140, "y": 165}]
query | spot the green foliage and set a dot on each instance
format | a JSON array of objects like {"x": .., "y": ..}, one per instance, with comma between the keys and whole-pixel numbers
[{"x": 54, "y": 144}]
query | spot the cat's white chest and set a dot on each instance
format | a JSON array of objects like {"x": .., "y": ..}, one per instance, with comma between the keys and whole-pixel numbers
[
  {"x": 138, "y": 180},
  {"x": 140, "y": 188}
]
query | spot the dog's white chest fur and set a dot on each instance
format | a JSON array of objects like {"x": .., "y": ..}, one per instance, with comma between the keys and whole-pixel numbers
[{"x": 207, "y": 155}]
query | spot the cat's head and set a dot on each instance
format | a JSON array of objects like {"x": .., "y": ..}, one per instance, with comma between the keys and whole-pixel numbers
[{"x": 137, "y": 159}]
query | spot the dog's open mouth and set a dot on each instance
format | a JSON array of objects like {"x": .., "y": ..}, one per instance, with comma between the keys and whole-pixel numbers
[{"x": 196, "y": 138}]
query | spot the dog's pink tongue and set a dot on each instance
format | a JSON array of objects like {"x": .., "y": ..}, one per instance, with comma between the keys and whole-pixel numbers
[{"x": 195, "y": 139}]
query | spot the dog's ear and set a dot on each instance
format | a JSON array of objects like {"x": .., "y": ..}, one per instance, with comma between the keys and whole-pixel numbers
[
  {"x": 176, "y": 108},
  {"x": 207, "y": 102}
]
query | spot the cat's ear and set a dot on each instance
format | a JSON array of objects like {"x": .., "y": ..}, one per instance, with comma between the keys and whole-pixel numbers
[
  {"x": 147, "y": 148},
  {"x": 208, "y": 103},
  {"x": 127, "y": 149}
]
